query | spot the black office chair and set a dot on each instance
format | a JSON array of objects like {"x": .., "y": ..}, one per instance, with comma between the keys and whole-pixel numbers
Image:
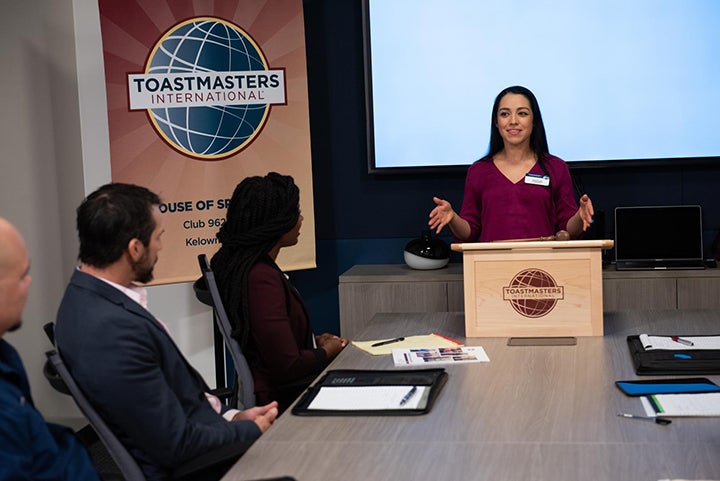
[
  {"x": 127, "y": 464},
  {"x": 216, "y": 461},
  {"x": 99, "y": 454},
  {"x": 207, "y": 292},
  {"x": 49, "y": 371}
]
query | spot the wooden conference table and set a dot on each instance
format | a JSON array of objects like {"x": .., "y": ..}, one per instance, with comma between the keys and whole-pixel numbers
[{"x": 531, "y": 413}]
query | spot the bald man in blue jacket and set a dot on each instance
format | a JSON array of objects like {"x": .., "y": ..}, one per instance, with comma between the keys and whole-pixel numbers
[{"x": 30, "y": 448}]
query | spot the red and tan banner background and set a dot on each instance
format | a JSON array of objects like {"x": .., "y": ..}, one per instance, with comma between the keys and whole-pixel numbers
[{"x": 143, "y": 37}]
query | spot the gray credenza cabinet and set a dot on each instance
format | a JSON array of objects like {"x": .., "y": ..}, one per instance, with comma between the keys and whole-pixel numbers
[{"x": 365, "y": 290}]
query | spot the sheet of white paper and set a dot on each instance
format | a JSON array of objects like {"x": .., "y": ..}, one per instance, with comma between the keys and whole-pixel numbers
[
  {"x": 358, "y": 398},
  {"x": 696, "y": 404},
  {"x": 647, "y": 407},
  {"x": 443, "y": 355},
  {"x": 665, "y": 342}
]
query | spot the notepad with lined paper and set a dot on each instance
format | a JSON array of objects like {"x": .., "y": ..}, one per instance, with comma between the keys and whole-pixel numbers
[
  {"x": 651, "y": 342},
  {"x": 433, "y": 340},
  {"x": 671, "y": 405},
  {"x": 357, "y": 398}
]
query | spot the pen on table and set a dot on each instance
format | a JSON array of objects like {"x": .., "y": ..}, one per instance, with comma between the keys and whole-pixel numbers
[
  {"x": 654, "y": 419},
  {"x": 389, "y": 341},
  {"x": 407, "y": 396},
  {"x": 682, "y": 341}
]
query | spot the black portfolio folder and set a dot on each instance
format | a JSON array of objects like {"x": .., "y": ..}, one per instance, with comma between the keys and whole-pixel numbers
[
  {"x": 427, "y": 383},
  {"x": 670, "y": 362}
]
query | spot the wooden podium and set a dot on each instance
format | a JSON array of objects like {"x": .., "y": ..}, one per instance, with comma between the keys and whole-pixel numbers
[{"x": 533, "y": 289}]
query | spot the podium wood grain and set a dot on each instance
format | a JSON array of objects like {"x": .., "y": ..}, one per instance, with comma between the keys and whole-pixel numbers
[{"x": 533, "y": 288}]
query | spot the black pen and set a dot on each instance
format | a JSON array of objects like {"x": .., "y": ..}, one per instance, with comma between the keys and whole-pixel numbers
[
  {"x": 389, "y": 341},
  {"x": 654, "y": 419}
]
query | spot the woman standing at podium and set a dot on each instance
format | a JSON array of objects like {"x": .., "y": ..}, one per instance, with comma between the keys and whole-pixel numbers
[{"x": 518, "y": 190}]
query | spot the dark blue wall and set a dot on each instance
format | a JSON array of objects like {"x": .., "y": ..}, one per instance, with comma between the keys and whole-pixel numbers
[{"x": 366, "y": 219}]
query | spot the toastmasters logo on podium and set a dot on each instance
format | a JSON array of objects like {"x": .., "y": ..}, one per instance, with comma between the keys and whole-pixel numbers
[
  {"x": 207, "y": 88},
  {"x": 533, "y": 293}
]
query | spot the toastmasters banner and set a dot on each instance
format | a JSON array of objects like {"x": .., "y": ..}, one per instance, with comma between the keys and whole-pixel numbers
[{"x": 202, "y": 94}]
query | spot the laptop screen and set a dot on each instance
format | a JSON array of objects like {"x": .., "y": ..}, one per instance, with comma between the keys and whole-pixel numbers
[{"x": 658, "y": 233}]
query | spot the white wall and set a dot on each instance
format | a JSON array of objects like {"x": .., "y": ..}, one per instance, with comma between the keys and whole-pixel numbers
[
  {"x": 40, "y": 141},
  {"x": 53, "y": 134}
]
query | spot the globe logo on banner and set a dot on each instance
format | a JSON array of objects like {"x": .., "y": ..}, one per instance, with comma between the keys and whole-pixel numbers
[
  {"x": 207, "y": 88},
  {"x": 533, "y": 293}
]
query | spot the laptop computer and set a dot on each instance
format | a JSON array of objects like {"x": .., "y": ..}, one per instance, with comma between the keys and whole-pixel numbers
[{"x": 659, "y": 237}]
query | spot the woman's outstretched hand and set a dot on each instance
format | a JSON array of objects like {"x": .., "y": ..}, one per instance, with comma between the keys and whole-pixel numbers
[
  {"x": 586, "y": 211},
  {"x": 441, "y": 215}
]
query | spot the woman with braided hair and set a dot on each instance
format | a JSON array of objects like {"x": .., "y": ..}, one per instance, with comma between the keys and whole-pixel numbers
[{"x": 267, "y": 314}]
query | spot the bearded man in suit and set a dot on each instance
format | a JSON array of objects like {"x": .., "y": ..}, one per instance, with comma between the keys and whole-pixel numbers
[{"x": 123, "y": 358}]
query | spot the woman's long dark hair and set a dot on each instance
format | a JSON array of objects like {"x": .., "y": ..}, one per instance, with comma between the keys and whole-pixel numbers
[
  {"x": 538, "y": 139},
  {"x": 261, "y": 210}
]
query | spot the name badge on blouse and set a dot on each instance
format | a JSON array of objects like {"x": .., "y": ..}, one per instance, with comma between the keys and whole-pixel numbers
[{"x": 537, "y": 179}]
